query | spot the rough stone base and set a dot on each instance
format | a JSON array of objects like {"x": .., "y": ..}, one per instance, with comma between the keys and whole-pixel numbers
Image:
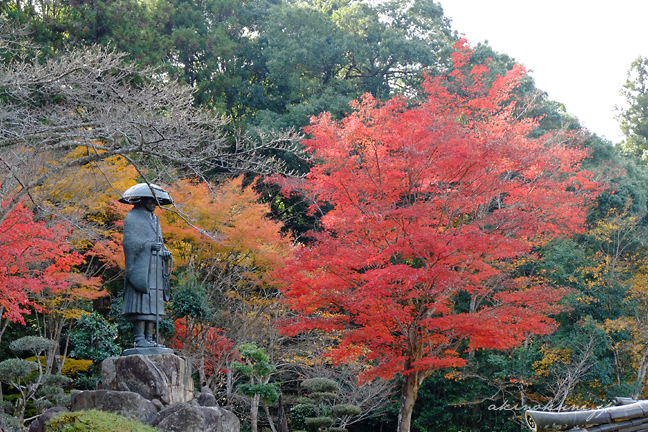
[
  {"x": 127, "y": 404},
  {"x": 194, "y": 418},
  {"x": 165, "y": 377},
  {"x": 156, "y": 390},
  {"x": 178, "y": 417}
]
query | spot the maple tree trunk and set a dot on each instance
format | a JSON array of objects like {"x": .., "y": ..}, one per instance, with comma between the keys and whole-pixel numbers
[
  {"x": 3, "y": 325},
  {"x": 409, "y": 393}
]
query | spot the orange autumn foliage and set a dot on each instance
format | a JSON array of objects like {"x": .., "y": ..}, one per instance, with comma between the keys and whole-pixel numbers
[
  {"x": 233, "y": 226},
  {"x": 211, "y": 226}
]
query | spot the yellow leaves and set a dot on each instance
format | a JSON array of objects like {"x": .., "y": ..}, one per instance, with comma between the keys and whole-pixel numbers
[
  {"x": 612, "y": 229},
  {"x": 619, "y": 324},
  {"x": 67, "y": 304},
  {"x": 636, "y": 327},
  {"x": 638, "y": 290},
  {"x": 91, "y": 188},
  {"x": 587, "y": 300},
  {"x": 595, "y": 384},
  {"x": 550, "y": 357},
  {"x": 81, "y": 243},
  {"x": 582, "y": 402},
  {"x": 71, "y": 368},
  {"x": 305, "y": 360},
  {"x": 615, "y": 236},
  {"x": 73, "y": 313}
]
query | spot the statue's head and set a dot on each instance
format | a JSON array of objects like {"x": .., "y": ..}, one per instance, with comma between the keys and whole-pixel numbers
[
  {"x": 148, "y": 203},
  {"x": 147, "y": 195}
]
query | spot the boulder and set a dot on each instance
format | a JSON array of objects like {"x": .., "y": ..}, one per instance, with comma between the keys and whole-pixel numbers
[
  {"x": 165, "y": 377},
  {"x": 206, "y": 397},
  {"x": 207, "y": 400},
  {"x": 38, "y": 425},
  {"x": 127, "y": 404},
  {"x": 185, "y": 417}
]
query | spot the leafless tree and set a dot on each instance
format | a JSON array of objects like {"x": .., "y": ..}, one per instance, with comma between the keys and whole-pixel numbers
[
  {"x": 371, "y": 397},
  {"x": 91, "y": 102},
  {"x": 567, "y": 373}
]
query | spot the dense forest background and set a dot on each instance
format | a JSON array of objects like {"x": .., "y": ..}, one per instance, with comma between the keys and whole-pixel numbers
[{"x": 260, "y": 70}]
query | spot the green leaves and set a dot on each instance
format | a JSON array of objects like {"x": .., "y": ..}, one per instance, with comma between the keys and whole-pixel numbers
[
  {"x": 320, "y": 385},
  {"x": 341, "y": 410},
  {"x": 257, "y": 367},
  {"x": 34, "y": 344},
  {"x": 255, "y": 363},
  {"x": 190, "y": 299},
  {"x": 94, "y": 338},
  {"x": 315, "y": 423},
  {"x": 634, "y": 119},
  {"x": 319, "y": 407},
  {"x": 268, "y": 392},
  {"x": 13, "y": 371}
]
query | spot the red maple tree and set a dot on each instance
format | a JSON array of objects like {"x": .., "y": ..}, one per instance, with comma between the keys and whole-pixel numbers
[
  {"x": 211, "y": 351},
  {"x": 433, "y": 203},
  {"x": 34, "y": 256}
]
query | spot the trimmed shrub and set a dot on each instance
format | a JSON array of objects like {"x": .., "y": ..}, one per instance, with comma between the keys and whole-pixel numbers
[
  {"x": 342, "y": 410},
  {"x": 33, "y": 344},
  {"x": 314, "y": 423},
  {"x": 9, "y": 423},
  {"x": 324, "y": 396},
  {"x": 96, "y": 421},
  {"x": 320, "y": 385}
]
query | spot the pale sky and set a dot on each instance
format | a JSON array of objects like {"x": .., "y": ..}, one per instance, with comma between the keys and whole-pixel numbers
[{"x": 579, "y": 51}]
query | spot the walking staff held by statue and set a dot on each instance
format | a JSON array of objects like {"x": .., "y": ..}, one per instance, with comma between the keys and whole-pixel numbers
[{"x": 148, "y": 263}]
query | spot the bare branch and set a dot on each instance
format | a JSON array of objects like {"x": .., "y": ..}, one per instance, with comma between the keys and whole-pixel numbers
[{"x": 91, "y": 100}]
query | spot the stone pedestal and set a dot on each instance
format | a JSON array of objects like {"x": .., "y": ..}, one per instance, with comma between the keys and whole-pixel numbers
[
  {"x": 156, "y": 390},
  {"x": 165, "y": 377},
  {"x": 148, "y": 351}
]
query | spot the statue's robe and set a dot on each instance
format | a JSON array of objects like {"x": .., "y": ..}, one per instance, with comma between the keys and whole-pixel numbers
[{"x": 143, "y": 282}]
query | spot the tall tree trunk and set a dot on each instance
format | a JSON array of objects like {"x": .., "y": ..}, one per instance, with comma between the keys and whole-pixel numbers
[
  {"x": 19, "y": 413},
  {"x": 254, "y": 412},
  {"x": 59, "y": 371},
  {"x": 409, "y": 393},
  {"x": 269, "y": 416},
  {"x": 228, "y": 384},
  {"x": 283, "y": 420},
  {"x": 641, "y": 374},
  {"x": 201, "y": 370},
  {"x": 3, "y": 324}
]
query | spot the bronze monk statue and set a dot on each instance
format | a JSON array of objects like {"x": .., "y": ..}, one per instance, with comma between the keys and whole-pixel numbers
[{"x": 148, "y": 263}]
